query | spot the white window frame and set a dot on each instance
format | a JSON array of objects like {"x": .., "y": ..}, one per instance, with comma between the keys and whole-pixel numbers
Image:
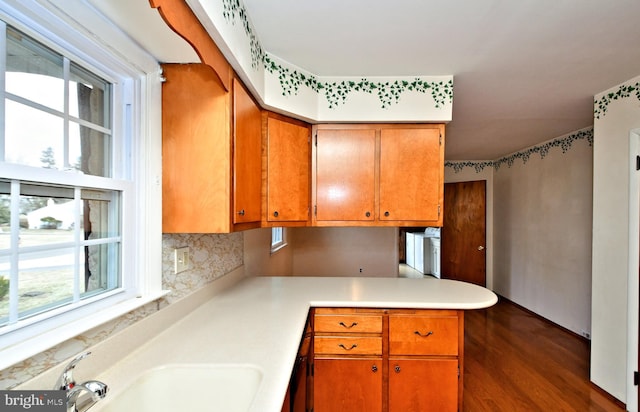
[{"x": 83, "y": 35}]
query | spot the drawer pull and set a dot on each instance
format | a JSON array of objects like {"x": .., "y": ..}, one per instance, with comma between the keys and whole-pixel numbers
[
  {"x": 345, "y": 348},
  {"x": 397, "y": 368},
  {"x": 348, "y": 327},
  {"x": 425, "y": 335},
  {"x": 374, "y": 368}
]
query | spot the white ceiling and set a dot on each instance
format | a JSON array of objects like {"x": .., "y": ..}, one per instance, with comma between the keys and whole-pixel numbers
[{"x": 524, "y": 71}]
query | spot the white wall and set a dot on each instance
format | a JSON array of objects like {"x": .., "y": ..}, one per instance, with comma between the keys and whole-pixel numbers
[
  {"x": 611, "y": 363},
  {"x": 343, "y": 251},
  {"x": 470, "y": 174}
]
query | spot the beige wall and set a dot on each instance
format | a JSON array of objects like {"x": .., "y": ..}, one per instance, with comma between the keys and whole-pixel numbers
[
  {"x": 258, "y": 259},
  {"x": 331, "y": 251},
  {"x": 614, "y": 341},
  {"x": 542, "y": 234}
]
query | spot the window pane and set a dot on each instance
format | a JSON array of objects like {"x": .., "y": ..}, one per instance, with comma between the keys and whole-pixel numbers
[
  {"x": 100, "y": 214},
  {"x": 47, "y": 214},
  {"x": 50, "y": 224},
  {"x": 4, "y": 289},
  {"x": 101, "y": 268},
  {"x": 45, "y": 280},
  {"x": 276, "y": 236},
  {"x": 33, "y": 137},
  {"x": 34, "y": 71},
  {"x": 89, "y": 150},
  {"x": 89, "y": 97},
  {"x": 5, "y": 221}
]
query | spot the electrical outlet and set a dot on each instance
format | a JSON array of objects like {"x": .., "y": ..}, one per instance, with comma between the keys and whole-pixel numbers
[{"x": 181, "y": 259}]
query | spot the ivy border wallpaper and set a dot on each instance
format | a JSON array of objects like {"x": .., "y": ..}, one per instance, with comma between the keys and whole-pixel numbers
[
  {"x": 564, "y": 142},
  {"x": 389, "y": 91},
  {"x": 625, "y": 90}
]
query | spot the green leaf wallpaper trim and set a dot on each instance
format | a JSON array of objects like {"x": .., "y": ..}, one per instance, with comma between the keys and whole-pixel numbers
[
  {"x": 624, "y": 91},
  {"x": 336, "y": 93},
  {"x": 234, "y": 10},
  {"x": 565, "y": 143}
]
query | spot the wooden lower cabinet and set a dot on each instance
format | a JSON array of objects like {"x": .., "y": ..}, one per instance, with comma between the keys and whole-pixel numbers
[
  {"x": 419, "y": 385},
  {"x": 347, "y": 385},
  {"x": 388, "y": 360},
  {"x": 298, "y": 397}
]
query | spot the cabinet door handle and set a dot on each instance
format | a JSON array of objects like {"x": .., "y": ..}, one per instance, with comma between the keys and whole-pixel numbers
[
  {"x": 374, "y": 368},
  {"x": 367, "y": 214},
  {"x": 275, "y": 213},
  {"x": 386, "y": 214},
  {"x": 397, "y": 368},
  {"x": 348, "y": 327},
  {"x": 424, "y": 335},
  {"x": 241, "y": 213},
  {"x": 351, "y": 348}
]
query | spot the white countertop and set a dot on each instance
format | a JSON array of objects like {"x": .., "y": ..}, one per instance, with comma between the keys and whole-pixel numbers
[{"x": 260, "y": 321}]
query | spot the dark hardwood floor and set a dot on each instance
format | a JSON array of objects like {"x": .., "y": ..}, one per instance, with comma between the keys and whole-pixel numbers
[{"x": 515, "y": 361}]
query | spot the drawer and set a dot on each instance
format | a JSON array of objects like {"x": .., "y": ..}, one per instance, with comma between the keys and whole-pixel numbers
[
  {"x": 347, "y": 345},
  {"x": 423, "y": 335},
  {"x": 348, "y": 323}
]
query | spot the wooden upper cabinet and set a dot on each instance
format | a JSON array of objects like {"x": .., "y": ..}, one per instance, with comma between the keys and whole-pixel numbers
[
  {"x": 211, "y": 153},
  {"x": 344, "y": 175},
  {"x": 411, "y": 174},
  {"x": 288, "y": 171},
  {"x": 196, "y": 155},
  {"x": 247, "y": 156},
  {"x": 379, "y": 175}
]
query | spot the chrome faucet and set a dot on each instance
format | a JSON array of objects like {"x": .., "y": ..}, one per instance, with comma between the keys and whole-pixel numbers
[{"x": 95, "y": 389}]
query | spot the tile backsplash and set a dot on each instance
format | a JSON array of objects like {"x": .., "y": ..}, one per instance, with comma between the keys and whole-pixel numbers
[{"x": 211, "y": 257}]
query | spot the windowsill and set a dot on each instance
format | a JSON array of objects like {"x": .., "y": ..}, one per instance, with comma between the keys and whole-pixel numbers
[
  {"x": 40, "y": 343},
  {"x": 278, "y": 248}
]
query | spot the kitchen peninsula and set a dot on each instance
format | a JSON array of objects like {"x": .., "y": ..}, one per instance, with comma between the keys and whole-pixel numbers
[{"x": 260, "y": 321}]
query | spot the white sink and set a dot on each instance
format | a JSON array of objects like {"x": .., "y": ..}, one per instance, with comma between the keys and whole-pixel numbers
[{"x": 218, "y": 387}]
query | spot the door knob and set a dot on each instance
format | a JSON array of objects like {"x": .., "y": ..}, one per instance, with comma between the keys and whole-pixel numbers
[{"x": 480, "y": 247}]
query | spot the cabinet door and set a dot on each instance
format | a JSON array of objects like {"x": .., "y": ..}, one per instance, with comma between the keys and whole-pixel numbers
[
  {"x": 288, "y": 171},
  {"x": 411, "y": 174},
  {"x": 196, "y": 157},
  {"x": 418, "y": 385},
  {"x": 347, "y": 385},
  {"x": 247, "y": 156},
  {"x": 345, "y": 175}
]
